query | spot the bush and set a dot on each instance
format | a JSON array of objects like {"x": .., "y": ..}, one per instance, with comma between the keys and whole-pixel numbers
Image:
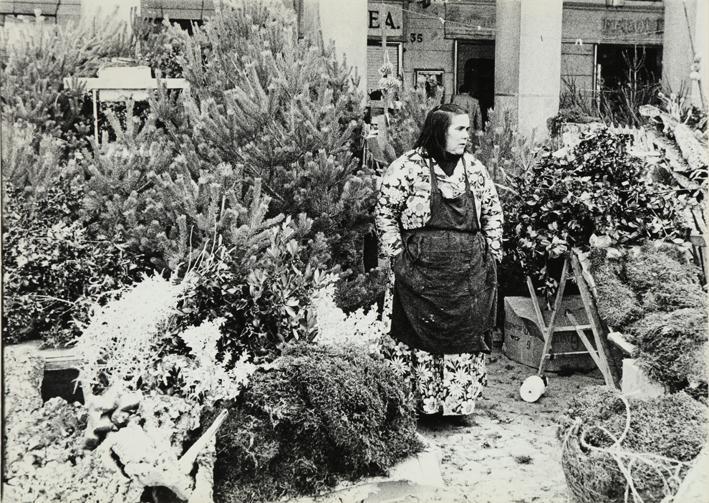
[
  {"x": 264, "y": 109},
  {"x": 601, "y": 189},
  {"x": 282, "y": 110},
  {"x": 317, "y": 416},
  {"x": 670, "y": 426},
  {"x": 53, "y": 269}
]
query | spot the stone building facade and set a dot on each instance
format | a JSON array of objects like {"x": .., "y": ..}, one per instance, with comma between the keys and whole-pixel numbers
[{"x": 513, "y": 54}]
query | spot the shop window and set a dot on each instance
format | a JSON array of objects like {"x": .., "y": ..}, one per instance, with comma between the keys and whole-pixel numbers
[{"x": 627, "y": 76}]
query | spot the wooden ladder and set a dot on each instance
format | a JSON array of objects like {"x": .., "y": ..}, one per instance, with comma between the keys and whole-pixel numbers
[{"x": 599, "y": 353}]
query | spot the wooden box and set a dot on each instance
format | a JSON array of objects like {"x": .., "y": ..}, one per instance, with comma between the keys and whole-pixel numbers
[{"x": 524, "y": 343}]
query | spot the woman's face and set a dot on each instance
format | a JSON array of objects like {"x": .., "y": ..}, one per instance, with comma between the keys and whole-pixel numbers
[{"x": 457, "y": 134}]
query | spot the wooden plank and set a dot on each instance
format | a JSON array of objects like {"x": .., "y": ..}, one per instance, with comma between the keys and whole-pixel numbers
[
  {"x": 537, "y": 309},
  {"x": 60, "y": 359},
  {"x": 592, "y": 313},
  {"x": 549, "y": 331},
  {"x": 618, "y": 339},
  {"x": 570, "y": 328}
]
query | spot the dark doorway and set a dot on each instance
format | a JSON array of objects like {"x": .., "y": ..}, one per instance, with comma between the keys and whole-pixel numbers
[
  {"x": 476, "y": 71},
  {"x": 622, "y": 64},
  {"x": 629, "y": 76}
]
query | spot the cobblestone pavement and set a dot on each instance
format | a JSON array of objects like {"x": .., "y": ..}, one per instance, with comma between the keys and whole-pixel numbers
[{"x": 511, "y": 454}]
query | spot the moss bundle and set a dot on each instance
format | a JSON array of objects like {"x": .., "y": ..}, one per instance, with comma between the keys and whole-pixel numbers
[
  {"x": 670, "y": 426},
  {"x": 652, "y": 294},
  {"x": 317, "y": 417},
  {"x": 653, "y": 265},
  {"x": 674, "y": 295},
  {"x": 616, "y": 302},
  {"x": 671, "y": 346}
]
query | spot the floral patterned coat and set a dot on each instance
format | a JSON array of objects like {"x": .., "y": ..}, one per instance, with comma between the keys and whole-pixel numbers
[{"x": 405, "y": 198}]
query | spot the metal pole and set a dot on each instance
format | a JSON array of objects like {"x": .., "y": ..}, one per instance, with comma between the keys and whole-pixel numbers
[{"x": 94, "y": 94}]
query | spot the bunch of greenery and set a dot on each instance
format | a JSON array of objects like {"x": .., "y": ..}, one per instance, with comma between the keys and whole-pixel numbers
[
  {"x": 598, "y": 189},
  {"x": 53, "y": 269},
  {"x": 262, "y": 288},
  {"x": 665, "y": 432},
  {"x": 157, "y": 47},
  {"x": 317, "y": 416}
]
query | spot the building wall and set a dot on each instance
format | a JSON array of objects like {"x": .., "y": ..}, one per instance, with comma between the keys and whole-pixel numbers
[{"x": 425, "y": 45}]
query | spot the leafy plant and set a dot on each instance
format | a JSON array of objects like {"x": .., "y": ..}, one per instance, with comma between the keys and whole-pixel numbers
[
  {"x": 315, "y": 417},
  {"x": 52, "y": 269},
  {"x": 363, "y": 327},
  {"x": 136, "y": 342},
  {"x": 262, "y": 288},
  {"x": 598, "y": 189}
]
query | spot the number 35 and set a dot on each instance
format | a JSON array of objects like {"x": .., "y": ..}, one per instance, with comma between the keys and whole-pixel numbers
[{"x": 416, "y": 37}]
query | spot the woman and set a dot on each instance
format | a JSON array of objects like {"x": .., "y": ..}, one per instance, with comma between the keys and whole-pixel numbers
[{"x": 440, "y": 223}]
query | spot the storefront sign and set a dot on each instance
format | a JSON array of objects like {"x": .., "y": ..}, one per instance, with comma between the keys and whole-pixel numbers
[
  {"x": 387, "y": 16},
  {"x": 632, "y": 26},
  {"x": 470, "y": 21},
  {"x": 601, "y": 26}
]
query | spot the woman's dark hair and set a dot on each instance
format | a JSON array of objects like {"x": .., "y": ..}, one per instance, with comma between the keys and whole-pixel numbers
[{"x": 433, "y": 132}]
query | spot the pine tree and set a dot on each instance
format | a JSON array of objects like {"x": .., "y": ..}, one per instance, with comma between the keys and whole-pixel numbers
[{"x": 282, "y": 110}]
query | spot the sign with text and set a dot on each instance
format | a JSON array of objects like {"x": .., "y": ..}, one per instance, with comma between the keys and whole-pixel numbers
[
  {"x": 470, "y": 21},
  {"x": 645, "y": 26},
  {"x": 599, "y": 26},
  {"x": 387, "y": 16}
]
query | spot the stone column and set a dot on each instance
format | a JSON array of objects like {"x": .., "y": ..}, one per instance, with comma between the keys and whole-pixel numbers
[
  {"x": 528, "y": 62},
  {"x": 345, "y": 24},
  {"x": 682, "y": 31}
]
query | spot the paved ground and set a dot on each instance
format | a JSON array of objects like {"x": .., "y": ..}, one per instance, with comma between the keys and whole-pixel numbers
[{"x": 512, "y": 454}]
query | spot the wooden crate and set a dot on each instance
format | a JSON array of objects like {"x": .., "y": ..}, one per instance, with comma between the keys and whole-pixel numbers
[{"x": 524, "y": 343}]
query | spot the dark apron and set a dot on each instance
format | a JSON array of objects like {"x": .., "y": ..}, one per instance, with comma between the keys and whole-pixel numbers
[{"x": 445, "y": 284}]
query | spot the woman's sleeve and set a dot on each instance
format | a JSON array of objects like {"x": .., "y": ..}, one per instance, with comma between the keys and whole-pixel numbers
[
  {"x": 491, "y": 218},
  {"x": 392, "y": 197}
]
